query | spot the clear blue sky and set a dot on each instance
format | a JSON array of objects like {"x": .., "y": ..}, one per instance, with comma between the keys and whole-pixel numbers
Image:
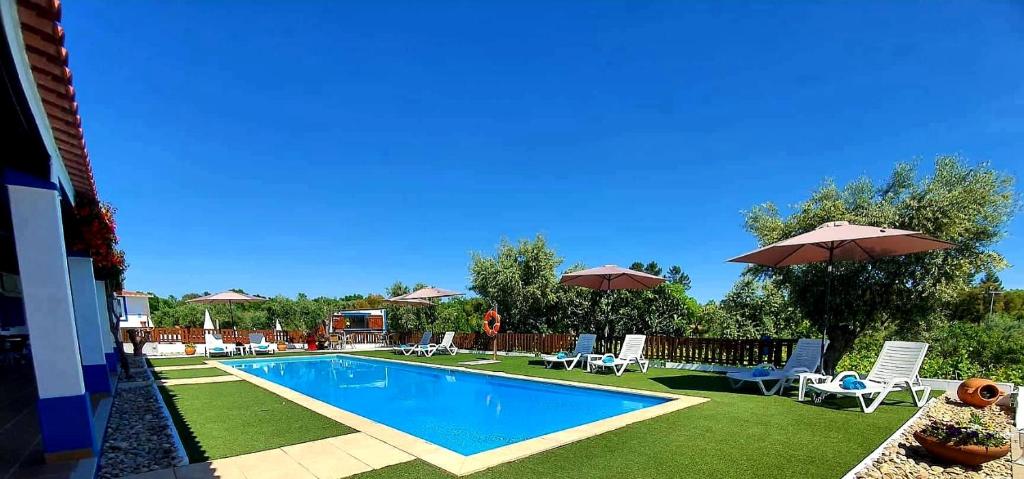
[{"x": 334, "y": 147}]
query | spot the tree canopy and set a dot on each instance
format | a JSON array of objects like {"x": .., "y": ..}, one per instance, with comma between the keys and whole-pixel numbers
[{"x": 967, "y": 205}]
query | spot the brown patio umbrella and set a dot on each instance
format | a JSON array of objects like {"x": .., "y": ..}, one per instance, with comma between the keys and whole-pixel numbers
[
  {"x": 226, "y": 297},
  {"x": 611, "y": 277},
  {"x": 841, "y": 241}
]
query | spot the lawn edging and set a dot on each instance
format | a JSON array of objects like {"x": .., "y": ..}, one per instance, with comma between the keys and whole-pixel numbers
[
  {"x": 179, "y": 447},
  {"x": 895, "y": 437}
]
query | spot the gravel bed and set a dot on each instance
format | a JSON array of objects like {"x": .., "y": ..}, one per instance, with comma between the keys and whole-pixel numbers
[
  {"x": 138, "y": 437},
  {"x": 907, "y": 459}
]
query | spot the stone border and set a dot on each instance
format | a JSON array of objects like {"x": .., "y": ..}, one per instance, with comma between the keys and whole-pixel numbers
[
  {"x": 199, "y": 380},
  {"x": 179, "y": 447},
  {"x": 895, "y": 437},
  {"x": 459, "y": 464}
]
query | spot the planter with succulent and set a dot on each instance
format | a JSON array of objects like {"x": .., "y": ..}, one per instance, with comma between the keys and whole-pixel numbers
[
  {"x": 968, "y": 443},
  {"x": 190, "y": 349}
]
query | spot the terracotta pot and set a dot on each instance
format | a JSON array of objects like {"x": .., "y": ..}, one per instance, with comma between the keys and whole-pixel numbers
[
  {"x": 978, "y": 392},
  {"x": 190, "y": 350},
  {"x": 282, "y": 346},
  {"x": 963, "y": 455}
]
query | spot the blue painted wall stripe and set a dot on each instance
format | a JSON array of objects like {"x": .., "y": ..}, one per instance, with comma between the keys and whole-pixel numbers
[
  {"x": 66, "y": 424},
  {"x": 20, "y": 178},
  {"x": 97, "y": 378}
]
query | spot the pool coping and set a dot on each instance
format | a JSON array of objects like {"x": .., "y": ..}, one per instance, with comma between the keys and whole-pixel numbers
[{"x": 460, "y": 464}]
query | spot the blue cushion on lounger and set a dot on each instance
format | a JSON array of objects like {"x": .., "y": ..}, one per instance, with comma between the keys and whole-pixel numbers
[
  {"x": 608, "y": 359},
  {"x": 760, "y": 372},
  {"x": 560, "y": 355},
  {"x": 217, "y": 349},
  {"x": 263, "y": 346},
  {"x": 852, "y": 383}
]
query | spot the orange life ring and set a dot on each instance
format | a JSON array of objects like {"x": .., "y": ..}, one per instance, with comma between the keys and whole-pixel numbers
[{"x": 492, "y": 314}]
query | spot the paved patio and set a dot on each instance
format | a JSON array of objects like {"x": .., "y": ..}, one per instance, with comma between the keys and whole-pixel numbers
[{"x": 330, "y": 458}]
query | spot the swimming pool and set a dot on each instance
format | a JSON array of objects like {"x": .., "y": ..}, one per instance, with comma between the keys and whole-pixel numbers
[{"x": 464, "y": 412}]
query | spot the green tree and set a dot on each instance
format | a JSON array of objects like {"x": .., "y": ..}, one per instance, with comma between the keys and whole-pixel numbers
[
  {"x": 964, "y": 204},
  {"x": 676, "y": 275},
  {"x": 753, "y": 308},
  {"x": 520, "y": 279}
]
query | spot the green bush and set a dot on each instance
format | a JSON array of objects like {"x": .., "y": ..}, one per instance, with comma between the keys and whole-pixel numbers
[{"x": 993, "y": 349}]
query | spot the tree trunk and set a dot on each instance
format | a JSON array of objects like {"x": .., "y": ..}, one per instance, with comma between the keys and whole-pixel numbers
[
  {"x": 138, "y": 341},
  {"x": 840, "y": 342}
]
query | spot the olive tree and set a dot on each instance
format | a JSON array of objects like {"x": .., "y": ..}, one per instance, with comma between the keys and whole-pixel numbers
[
  {"x": 968, "y": 205},
  {"x": 520, "y": 279}
]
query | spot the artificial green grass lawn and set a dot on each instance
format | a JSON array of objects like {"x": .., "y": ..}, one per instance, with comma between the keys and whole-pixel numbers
[
  {"x": 189, "y": 373},
  {"x": 736, "y": 434},
  {"x": 185, "y": 361},
  {"x": 227, "y": 419}
]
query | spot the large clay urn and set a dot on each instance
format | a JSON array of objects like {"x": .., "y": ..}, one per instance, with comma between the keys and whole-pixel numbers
[{"x": 978, "y": 392}]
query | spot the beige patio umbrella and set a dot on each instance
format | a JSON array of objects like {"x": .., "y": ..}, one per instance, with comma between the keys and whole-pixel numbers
[
  {"x": 404, "y": 300},
  {"x": 611, "y": 277},
  {"x": 841, "y": 241},
  {"x": 229, "y": 298},
  {"x": 431, "y": 293}
]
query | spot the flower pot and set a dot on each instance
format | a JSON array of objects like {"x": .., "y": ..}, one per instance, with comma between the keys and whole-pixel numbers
[
  {"x": 282, "y": 346},
  {"x": 978, "y": 392},
  {"x": 190, "y": 350},
  {"x": 311, "y": 345},
  {"x": 963, "y": 455}
]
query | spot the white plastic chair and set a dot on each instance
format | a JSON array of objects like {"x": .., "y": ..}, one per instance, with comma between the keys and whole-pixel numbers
[
  {"x": 215, "y": 346},
  {"x": 632, "y": 351},
  {"x": 584, "y": 346},
  {"x": 407, "y": 349},
  {"x": 896, "y": 369},
  {"x": 804, "y": 359},
  {"x": 446, "y": 345}
]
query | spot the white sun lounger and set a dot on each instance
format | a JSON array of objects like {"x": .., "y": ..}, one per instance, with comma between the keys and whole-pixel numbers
[
  {"x": 895, "y": 370},
  {"x": 215, "y": 346},
  {"x": 446, "y": 346},
  {"x": 804, "y": 359},
  {"x": 408, "y": 349},
  {"x": 584, "y": 346},
  {"x": 258, "y": 344},
  {"x": 632, "y": 351}
]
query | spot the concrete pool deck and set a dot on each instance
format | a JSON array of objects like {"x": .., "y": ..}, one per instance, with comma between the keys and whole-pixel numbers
[
  {"x": 459, "y": 464},
  {"x": 330, "y": 458}
]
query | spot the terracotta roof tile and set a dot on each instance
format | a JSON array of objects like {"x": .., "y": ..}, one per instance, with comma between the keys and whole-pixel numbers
[{"x": 44, "y": 45}]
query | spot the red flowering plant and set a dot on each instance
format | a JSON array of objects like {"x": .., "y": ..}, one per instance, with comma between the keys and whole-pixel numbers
[{"x": 98, "y": 236}]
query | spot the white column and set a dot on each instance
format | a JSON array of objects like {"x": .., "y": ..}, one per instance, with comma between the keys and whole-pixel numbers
[
  {"x": 65, "y": 415},
  {"x": 109, "y": 344},
  {"x": 90, "y": 336}
]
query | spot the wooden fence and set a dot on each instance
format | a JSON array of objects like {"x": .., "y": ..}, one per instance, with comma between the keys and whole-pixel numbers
[
  {"x": 198, "y": 336},
  {"x": 733, "y": 352}
]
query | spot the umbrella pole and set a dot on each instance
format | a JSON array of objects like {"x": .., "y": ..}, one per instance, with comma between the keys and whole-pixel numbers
[{"x": 828, "y": 309}]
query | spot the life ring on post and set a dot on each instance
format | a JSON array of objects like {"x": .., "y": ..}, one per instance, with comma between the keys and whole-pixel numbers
[{"x": 492, "y": 331}]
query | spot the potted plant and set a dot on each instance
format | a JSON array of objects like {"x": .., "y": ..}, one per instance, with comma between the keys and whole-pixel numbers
[
  {"x": 311, "y": 342},
  {"x": 281, "y": 345},
  {"x": 968, "y": 443},
  {"x": 190, "y": 349}
]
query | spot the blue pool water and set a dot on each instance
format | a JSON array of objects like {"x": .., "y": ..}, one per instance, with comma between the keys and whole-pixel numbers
[{"x": 464, "y": 412}]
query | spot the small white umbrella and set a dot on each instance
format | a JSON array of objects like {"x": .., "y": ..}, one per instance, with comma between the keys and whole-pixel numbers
[
  {"x": 277, "y": 325},
  {"x": 208, "y": 323}
]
